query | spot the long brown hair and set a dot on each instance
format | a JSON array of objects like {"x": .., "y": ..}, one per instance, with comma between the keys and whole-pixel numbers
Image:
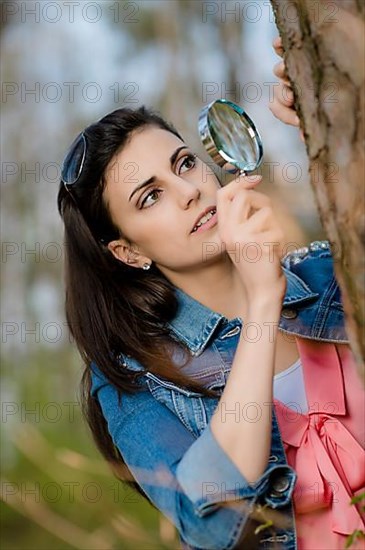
[{"x": 113, "y": 308}]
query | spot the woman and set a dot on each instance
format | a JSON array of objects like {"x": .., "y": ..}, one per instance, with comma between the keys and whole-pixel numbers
[{"x": 179, "y": 331}]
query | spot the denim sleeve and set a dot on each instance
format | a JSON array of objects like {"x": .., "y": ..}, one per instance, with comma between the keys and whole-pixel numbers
[{"x": 190, "y": 480}]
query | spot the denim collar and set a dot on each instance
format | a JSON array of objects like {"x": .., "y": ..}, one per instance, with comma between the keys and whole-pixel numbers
[{"x": 194, "y": 323}]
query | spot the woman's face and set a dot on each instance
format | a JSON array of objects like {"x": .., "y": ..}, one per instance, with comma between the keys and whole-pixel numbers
[{"x": 157, "y": 219}]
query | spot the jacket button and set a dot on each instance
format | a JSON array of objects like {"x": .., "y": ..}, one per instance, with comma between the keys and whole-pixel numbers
[
  {"x": 289, "y": 313},
  {"x": 279, "y": 486}
]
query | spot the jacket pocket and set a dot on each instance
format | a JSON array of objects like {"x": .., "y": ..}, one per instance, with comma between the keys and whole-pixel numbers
[{"x": 192, "y": 408}]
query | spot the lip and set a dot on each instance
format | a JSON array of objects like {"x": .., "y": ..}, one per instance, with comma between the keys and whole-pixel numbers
[{"x": 207, "y": 224}]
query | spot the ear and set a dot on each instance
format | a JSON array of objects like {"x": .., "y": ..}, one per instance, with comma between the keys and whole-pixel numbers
[{"x": 123, "y": 252}]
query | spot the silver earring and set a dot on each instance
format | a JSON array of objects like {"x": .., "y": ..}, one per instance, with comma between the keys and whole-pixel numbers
[{"x": 146, "y": 266}]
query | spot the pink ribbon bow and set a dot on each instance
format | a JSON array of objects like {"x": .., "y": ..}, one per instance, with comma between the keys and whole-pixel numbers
[{"x": 329, "y": 461}]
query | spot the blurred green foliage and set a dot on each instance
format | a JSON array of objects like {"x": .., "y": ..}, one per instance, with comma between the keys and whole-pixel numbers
[{"x": 57, "y": 491}]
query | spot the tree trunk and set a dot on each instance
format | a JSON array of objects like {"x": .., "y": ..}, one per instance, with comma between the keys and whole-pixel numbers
[{"x": 324, "y": 55}]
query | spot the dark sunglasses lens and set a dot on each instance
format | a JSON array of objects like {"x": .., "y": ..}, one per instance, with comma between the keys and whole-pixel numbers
[{"x": 74, "y": 160}]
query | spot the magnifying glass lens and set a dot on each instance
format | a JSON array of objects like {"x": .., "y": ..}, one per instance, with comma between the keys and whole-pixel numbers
[
  {"x": 230, "y": 136},
  {"x": 233, "y": 137}
]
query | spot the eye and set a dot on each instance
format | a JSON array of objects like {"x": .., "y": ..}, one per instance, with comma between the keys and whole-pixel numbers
[
  {"x": 189, "y": 162},
  {"x": 152, "y": 192}
]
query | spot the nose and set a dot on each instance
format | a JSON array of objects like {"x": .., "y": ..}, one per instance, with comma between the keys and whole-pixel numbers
[{"x": 186, "y": 191}]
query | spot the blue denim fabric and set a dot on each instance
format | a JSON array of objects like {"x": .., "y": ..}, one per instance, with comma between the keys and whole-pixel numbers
[{"x": 163, "y": 432}]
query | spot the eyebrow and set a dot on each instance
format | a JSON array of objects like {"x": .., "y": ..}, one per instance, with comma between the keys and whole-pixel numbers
[{"x": 153, "y": 178}]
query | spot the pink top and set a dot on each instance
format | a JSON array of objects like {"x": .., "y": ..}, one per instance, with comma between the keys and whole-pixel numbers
[{"x": 325, "y": 447}]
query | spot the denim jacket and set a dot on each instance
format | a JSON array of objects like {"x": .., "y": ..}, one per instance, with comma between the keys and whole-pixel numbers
[{"x": 164, "y": 435}]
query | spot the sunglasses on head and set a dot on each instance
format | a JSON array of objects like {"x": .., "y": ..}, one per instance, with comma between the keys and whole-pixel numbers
[
  {"x": 74, "y": 162},
  {"x": 73, "y": 165}
]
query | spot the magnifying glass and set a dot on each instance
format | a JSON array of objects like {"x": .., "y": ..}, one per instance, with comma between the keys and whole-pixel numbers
[{"x": 230, "y": 137}]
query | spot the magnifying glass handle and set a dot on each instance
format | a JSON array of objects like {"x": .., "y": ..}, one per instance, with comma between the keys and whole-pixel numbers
[{"x": 238, "y": 171}]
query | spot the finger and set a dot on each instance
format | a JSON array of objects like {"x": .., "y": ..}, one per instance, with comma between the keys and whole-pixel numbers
[
  {"x": 227, "y": 193},
  {"x": 262, "y": 220},
  {"x": 284, "y": 114},
  {"x": 278, "y": 46},
  {"x": 240, "y": 182},
  {"x": 245, "y": 202},
  {"x": 279, "y": 70},
  {"x": 284, "y": 94},
  {"x": 277, "y": 42},
  {"x": 237, "y": 193},
  {"x": 249, "y": 181},
  {"x": 240, "y": 207}
]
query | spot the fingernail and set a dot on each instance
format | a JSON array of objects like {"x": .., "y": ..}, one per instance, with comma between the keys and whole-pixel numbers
[{"x": 256, "y": 177}]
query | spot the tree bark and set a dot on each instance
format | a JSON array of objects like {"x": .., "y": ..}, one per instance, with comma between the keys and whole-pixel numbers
[{"x": 324, "y": 55}]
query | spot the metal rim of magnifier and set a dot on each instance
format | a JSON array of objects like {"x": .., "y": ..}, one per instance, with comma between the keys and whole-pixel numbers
[{"x": 219, "y": 156}]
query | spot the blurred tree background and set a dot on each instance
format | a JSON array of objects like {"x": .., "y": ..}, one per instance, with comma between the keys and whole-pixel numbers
[{"x": 64, "y": 65}]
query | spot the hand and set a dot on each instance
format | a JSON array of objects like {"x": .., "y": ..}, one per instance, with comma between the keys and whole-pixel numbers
[
  {"x": 252, "y": 237},
  {"x": 282, "y": 106}
]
